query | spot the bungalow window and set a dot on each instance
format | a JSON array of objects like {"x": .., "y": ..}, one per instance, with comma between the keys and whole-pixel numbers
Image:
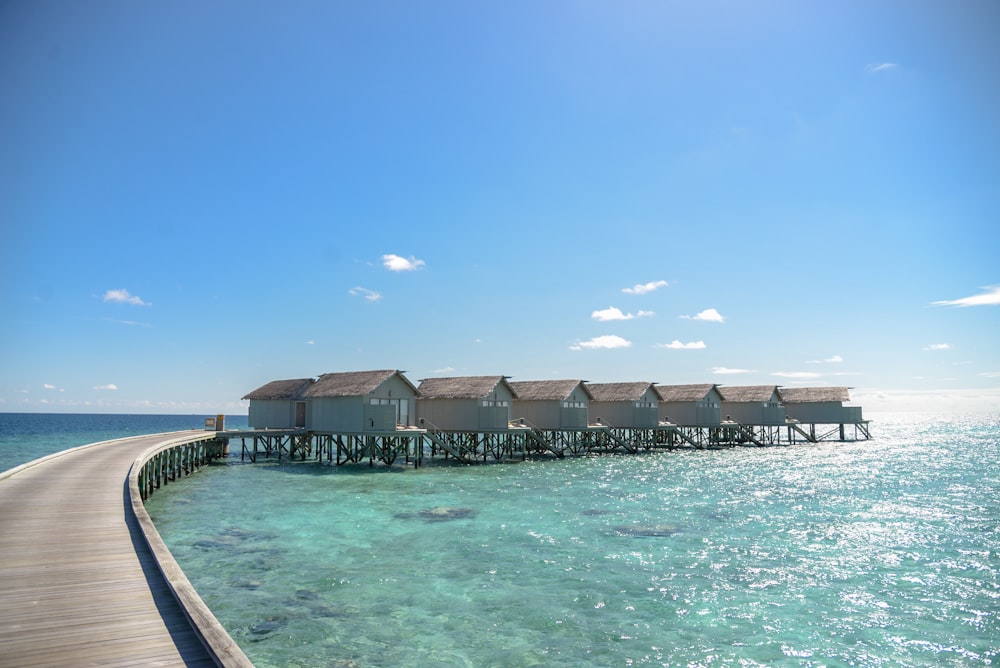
[
  {"x": 645, "y": 404},
  {"x": 574, "y": 404},
  {"x": 494, "y": 403}
]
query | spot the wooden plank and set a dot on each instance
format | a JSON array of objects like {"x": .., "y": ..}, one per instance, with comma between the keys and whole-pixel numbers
[{"x": 78, "y": 585}]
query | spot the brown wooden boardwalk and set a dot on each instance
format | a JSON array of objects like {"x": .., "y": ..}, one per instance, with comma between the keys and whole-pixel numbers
[{"x": 78, "y": 584}]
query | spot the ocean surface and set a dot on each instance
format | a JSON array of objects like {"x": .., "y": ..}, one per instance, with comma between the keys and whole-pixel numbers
[
  {"x": 28, "y": 436},
  {"x": 872, "y": 553}
]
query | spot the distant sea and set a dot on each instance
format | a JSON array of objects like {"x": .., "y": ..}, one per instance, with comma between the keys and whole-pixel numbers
[
  {"x": 871, "y": 553},
  {"x": 28, "y": 436}
]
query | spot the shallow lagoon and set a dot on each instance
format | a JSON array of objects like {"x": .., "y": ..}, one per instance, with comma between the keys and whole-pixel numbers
[{"x": 885, "y": 552}]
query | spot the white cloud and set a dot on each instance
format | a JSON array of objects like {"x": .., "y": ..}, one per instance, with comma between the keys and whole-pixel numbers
[
  {"x": 989, "y": 298},
  {"x": 109, "y": 386},
  {"x": 607, "y": 341},
  {"x": 447, "y": 369},
  {"x": 310, "y": 342},
  {"x": 613, "y": 313},
  {"x": 836, "y": 359},
  {"x": 708, "y": 315},
  {"x": 726, "y": 371},
  {"x": 641, "y": 289},
  {"x": 123, "y": 296},
  {"x": 874, "y": 68},
  {"x": 47, "y": 386},
  {"x": 397, "y": 263},
  {"x": 370, "y": 295},
  {"x": 678, "y": 345},
  {"x": 799, "y": 375},
  {"x": 938, "y": 346}
]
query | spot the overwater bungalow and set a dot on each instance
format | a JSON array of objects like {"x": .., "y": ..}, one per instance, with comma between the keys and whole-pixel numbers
[
  {"x": 691, "y": 405},
  {"x": 552, "y": 404},
  {"x": 278, "y": 404},
  {"x": 360, "y": 401},
  {"x": 465, "y": 403},
  {"x": 626, "y": 405},
  {"x": 819, "y": 405},
  {"x": 752, "y": 405}
]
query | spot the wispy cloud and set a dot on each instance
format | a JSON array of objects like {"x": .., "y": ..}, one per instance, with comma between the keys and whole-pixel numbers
[
  {"x": 122, "y": 296},
  {"x": 726, "y": 371},
  {"x": 836, "y": 359},
  {"x": 643, "y": 288},
  {"x": 613, "y": 313},
  {"x": 679, "y": 345},
  {"x": 108, "y": 387},
  {"x": 130, "y": 323},
  {"x": 989, "y": 298},
  {"x": 938, "y": 346},
  {"x": 446, "y": 369},
  {"x": 708, "y": 315},
  {"x": 799, "y": 375},
  {"x": 370, "y": 295},
  {"x": 875, "y": 68},
  {"x": 607, "y": 341},
  {"x": 398, "y": 263}
]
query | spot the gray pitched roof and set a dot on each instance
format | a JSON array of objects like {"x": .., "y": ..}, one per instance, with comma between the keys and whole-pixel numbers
[
  {"x": 280, "y": 389},
  {"x": 351, "y": 383},
  {"x": 620, "y": 391},
  {"x": 684, "y": 392},
  {"x": 805, "y": 395},
  {"x": 461, "y": 387},
  {"x": 743, "y": 393},
  {"x": 547, "y": 390}
]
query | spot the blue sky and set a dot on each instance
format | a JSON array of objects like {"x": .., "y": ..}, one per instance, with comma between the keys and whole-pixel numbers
[{"x": 197, "y": 198}]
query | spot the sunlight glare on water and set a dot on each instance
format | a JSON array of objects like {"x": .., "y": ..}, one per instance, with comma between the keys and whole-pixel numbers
[{"x": 873, "y": 553}]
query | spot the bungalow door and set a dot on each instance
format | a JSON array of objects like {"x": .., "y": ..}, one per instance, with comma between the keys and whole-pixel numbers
[{"x": 300, "y": 414}]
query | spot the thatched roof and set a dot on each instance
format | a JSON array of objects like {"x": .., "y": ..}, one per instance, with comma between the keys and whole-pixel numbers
[
  {"x": 746, "y": 393},
  {"x": 808, "y": 395},
  {"x": 620, "y": 391},
  {"x": 547, "y": 390},
  {"x": 351, "y": 383},
  {"x": 462, "y": 387},
  {"x": 684, "y": 392},
  {"x": 281, "y": 389}
]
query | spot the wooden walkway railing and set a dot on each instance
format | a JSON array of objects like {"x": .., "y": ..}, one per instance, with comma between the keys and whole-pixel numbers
[{"x": 79, "y": 584}]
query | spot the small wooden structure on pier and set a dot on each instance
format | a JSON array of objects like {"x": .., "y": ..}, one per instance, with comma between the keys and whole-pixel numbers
[
  {"x": 631, "y": 412},
  {"x": 552, "y": 404},
  {"x": 278, "y": 404},
  {"x": 350, "y": 416},
  {"x": 823, "y": 407}
]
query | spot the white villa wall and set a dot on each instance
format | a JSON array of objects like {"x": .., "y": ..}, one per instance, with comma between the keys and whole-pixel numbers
[
  {"x": 754, "y": 412},
  {"x": 271, "y": 414},
  {"x": 449, "y": 414},
  {"x": 550, "y": 414},
  {"x": 826, "y": 412},
  {"x": 336, "y": 414}
]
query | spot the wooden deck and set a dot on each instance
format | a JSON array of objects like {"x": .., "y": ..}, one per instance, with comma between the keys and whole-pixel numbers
[{"x": 78, "y": 583}]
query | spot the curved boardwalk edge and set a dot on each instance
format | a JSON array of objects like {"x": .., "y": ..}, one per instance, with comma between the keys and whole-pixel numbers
[{"x": 213, "y": 635}]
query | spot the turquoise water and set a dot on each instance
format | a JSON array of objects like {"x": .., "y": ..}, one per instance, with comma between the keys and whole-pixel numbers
[{"x": 877, "y": 553}]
